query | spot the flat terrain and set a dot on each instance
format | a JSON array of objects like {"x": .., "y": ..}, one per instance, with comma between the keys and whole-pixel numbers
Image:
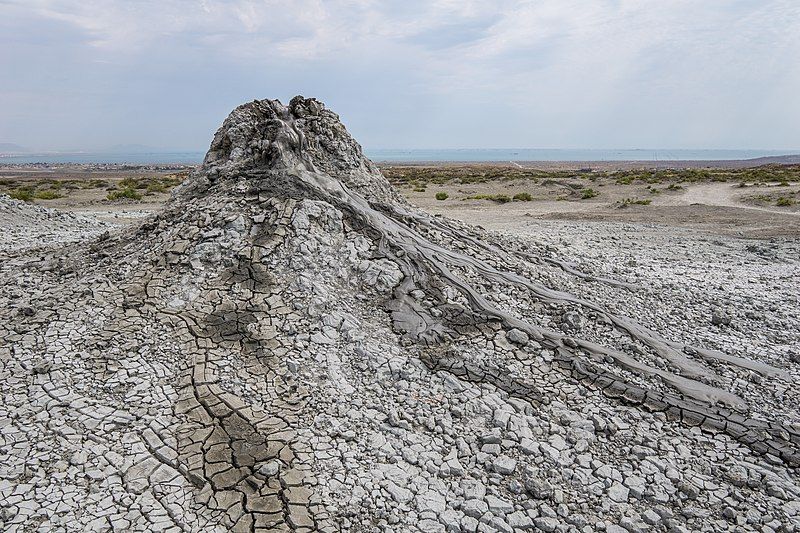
[
  {"x": 762, "y": 202},
  {"x": 116, "y": 193}
]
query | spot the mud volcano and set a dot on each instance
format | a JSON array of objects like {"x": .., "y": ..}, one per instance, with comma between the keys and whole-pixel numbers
[{"x": 289, "y": 345}]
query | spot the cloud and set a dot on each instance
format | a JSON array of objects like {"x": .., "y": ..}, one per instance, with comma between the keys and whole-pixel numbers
[{"x": 440, "y": 73}]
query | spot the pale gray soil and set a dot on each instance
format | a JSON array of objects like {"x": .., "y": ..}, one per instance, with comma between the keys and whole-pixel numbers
[
  {"x": 584, "y": 464},
  {"x": 285, "y": 344}
]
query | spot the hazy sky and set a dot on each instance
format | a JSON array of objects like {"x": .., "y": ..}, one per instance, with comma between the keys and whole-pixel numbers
[{"x": 407, "y": 74}]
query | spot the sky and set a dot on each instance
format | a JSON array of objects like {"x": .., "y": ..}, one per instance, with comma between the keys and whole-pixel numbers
[{"x": 694, "y": 74}]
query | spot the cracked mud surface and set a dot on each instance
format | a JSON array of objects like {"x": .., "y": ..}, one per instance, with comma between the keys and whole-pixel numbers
[{"x": 289, "y": 346}]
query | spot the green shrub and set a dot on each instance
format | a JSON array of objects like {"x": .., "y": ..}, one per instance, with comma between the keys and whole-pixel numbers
[
  {"x": 23, "y": 193},
  {"x": 53, "y": 184},
  {"x": 589, "y": 193},
  {"x": 95, "y": 184},
  {"x": 442, "y": 196},
  {"x": 46, "y": 195},
  {"x": 674, "y": 187},
  {"x": 500, "y": 198},
  {"x": 523, "y": 197},
  {"x": 126, "y": 193},
  {"x": 784, "y": 202},
  {"x": 156, "y": 187},
  {"x": 630, "y": 201}
]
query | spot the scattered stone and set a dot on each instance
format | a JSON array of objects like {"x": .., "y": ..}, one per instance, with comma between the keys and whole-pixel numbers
[{"x": 517, "y": 337}]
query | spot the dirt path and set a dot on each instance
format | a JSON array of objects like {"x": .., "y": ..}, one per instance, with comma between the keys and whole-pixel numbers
[{"x": 723, "y": 195}]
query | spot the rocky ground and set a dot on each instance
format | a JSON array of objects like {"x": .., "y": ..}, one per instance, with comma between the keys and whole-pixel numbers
[{"x": 290, "y": 346}]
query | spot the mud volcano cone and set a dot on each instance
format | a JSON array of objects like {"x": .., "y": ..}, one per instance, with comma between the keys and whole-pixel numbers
[{"x": 289, "y": 345}]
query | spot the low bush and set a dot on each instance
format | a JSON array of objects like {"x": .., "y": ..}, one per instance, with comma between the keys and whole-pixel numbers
[
  {"x": 127, "y": 193},
  {"x": 47, "y": 194},
  {"x": 630, "y": 201},
  {"x": 442, "y": 196},
  {"x": 499, "y": 198},
  {"x": 23, "y": 193}
]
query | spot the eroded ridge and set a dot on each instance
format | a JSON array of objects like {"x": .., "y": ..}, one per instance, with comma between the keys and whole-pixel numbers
[{"x": 289, "y": 346}]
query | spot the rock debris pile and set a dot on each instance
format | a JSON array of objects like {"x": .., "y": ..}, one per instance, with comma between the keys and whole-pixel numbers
[{"x": 290, "y": 346}]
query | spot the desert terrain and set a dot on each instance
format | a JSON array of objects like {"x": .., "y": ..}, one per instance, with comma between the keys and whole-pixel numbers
[
  {"x": 730, "y": 199},
  {"x": 289, "y": 338}
]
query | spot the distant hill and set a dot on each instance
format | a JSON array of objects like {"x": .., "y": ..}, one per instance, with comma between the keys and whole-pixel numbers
[
  {"x": 11, "y": 148},
  {"x": 778, "y": 159}
]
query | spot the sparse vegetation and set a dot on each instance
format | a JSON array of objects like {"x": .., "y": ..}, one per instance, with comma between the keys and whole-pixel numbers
[
  {"x": 133, "y": 183},
  {"x": 784, "y": 202},
  {"x": 47, "y": 194},
  {"x": 22, "y": 193},
  {"x": 499, "y": 198},
  {"x": 51, "y": 188},
  {"x": 126, "y": 193},
  {"x": 674, "y": 187},
  {"x": 442, "y": 196},
  {"x": 630, "y": 201},
  {"x": 473, "y": 174},
  {"x": 589, "y": 193},
  {"x": 523, "y": 197}
]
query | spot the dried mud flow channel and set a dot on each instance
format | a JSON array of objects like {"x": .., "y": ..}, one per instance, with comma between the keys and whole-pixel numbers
[{"x": 290, "y": 346}]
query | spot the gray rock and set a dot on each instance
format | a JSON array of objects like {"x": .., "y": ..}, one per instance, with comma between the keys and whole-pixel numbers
[
  {"x": 651, "y": 517},
  {"x": 504, "y": 465},
  {"x": 473, "y": 489},
  {"x": 517, "y": 336},
  {"x": 719, "y": 317},
  {"x": 519, "y": 521},
  {"x": 430, "y": 526},
  {"x": 546, "y": 524},
  {"x": 398, "y": 493},
  {"x": 539, "y": 489},
  {"x": 469, "y": 524},
  {"x": 451, "y": 520},
  {"x": 270, "y": 468},
  {"x": 618, "y": 492},
  {"x": 474, "y": 508},
  {"x": 499, "y": 506}
]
